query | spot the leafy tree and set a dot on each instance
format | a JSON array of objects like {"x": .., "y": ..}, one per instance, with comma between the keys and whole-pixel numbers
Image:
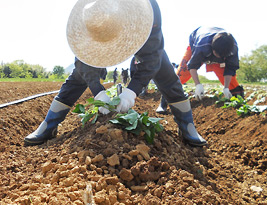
[
  {"x": 1, "y": 70},
  {"x": 253, "y": 68},
  {"x": 7, "y": 71},
  {"x": 38, "y": 71},
  {"x": 110, "y": 75},
  {"x": 59, "y": 71}
]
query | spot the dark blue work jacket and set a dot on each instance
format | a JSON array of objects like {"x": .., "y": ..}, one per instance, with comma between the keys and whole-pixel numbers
[{"x": 200, "y": 42}]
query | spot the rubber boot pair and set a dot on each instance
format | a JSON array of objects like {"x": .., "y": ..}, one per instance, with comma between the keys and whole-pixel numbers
[
  {"x": 48, "y": 128},
  {"x": 162, "y": 108},
  {"x": 239, "y": 90},
  {"x": 183, "y": 117}
]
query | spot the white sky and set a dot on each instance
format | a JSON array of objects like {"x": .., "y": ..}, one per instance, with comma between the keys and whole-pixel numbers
[{"x": 35, "y": 30}]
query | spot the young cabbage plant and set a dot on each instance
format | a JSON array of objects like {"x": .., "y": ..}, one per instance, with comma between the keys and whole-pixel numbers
[
  {"x": 92, "y": 111},
  {"x": 241, "y": 106},
  {"x": 136, "y": 123}
]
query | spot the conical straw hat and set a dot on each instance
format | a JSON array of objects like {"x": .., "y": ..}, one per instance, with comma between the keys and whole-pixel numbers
[{"x": 104, "y": 33}]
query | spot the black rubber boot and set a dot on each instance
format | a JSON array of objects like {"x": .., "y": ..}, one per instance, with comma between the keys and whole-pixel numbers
[
  {"x": 183, "y": 116},
  {"x": 239, "y": 90},
  {"x": 48, "y": 128}
]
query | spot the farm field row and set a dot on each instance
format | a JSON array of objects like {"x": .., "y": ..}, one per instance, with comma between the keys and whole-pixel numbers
[{"x": 114, "y": 163}]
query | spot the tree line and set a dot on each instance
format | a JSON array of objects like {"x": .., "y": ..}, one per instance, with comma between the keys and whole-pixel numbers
[
  {"x": 253, "y": 68},
  {"x": 20, "y": 69}
]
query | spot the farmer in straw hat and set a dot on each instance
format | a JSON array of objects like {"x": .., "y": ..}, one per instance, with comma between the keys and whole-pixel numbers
[{"x": 104, "y": 33}]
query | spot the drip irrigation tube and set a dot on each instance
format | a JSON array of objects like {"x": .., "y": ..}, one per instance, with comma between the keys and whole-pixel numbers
[{"x": 27, "y": 98}]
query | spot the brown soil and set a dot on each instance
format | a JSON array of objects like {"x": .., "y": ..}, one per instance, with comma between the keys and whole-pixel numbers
[{"x": 105, "y": 164}]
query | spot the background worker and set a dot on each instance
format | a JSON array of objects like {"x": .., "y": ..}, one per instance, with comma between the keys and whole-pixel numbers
[
  {"x": 219, "y": 51},
  {"x": 115, "y": 76},
  {"x": 125, "y": 76},
  {"x": 102, "y": 42}
]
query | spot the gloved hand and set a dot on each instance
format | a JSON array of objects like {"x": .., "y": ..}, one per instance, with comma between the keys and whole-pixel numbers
[
  {"x": 105, "y": 98},
  {"x": 127, "y": 98},
  {"x": 199, "y": 92},
  {"x": 227, "y": 93}
]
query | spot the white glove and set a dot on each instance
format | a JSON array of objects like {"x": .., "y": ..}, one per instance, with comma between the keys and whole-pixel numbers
[
  {"x": 105, "y": 98},
  {"x": 127, "y": 98},
  {"x": 227, "y": 93},
  {"x": 199, "y": 92}
]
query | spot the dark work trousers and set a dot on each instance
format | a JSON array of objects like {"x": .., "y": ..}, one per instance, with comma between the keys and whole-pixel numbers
[
  {"x": 155, "y": 64},
  {"x": 82, "y": 77},
  {"x": 168, "y": 82}
]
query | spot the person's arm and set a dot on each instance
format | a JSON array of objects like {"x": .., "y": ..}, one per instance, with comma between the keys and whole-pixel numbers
[
  {"x": 227, "y": 80},
  {"x": 226, "y": 91},
  {"x": 199, "y": 92},
  {"x": 193, "y": 65},
  {"x": 194, "y": 75}
]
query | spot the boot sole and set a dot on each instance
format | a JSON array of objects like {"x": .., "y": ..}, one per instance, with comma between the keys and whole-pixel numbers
[
  {"x": 195, "y": 145},
  {"x": 190, "y": 143},
  {"x": 162, "y": 112},
  {"x": 31, "y": 143},
  {"x": 28, "y": 143}
]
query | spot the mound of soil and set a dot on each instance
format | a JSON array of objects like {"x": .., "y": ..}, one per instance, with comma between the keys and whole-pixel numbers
[{"x": 101, "y": 163}]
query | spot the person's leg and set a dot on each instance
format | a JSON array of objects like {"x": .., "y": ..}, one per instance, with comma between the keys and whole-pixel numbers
[
  {"x": 162, "y": 108},
  {"x": 182, "y": 70},
  {"x": 184, "y": 76},
  {"x": 171, "y": 88},
  {"x": 69, "y": 93}
]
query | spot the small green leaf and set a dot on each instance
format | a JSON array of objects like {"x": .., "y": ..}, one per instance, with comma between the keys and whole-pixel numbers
[
  {"x": 90, "y": 100},
  {"x": 155, "y": 120},
  {"x": 158, "y": 127},
  {"x": 86, "y": 117},
  {"x": 79, "y": 109},
  {"x": 115, "y": 101},
  {"x": 114, "y": 121},
  {"x": 94, "y": 120},
  {"x": 98, "y": 103},
  {"x": 132, "y": 126},
  {"x": 145, "y": 120},
  {"x": 131, "y": 118},
  {"x": 149, "y": 136}
]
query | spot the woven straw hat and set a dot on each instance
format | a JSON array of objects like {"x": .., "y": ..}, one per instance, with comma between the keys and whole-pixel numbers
[{"x": 104, "y": 33}]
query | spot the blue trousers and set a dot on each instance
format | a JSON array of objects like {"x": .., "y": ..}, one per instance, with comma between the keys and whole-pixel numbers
[{"x": 82, "y": 77}]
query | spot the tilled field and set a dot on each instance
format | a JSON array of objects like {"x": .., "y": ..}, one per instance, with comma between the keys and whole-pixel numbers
[{"x": 102, "y": 164}]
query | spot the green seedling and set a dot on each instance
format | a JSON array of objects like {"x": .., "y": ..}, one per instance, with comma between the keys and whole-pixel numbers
[
  {"x": 220, "y": 98},
  {"x": 92, "y": 111},
  {"x": 152, "y": 86},
  {"x": 247, "y": 109},
  {"x": 235, "y": 102},
  {"x": 112, "y": 91},
  {"x": 136, "y": 123}
]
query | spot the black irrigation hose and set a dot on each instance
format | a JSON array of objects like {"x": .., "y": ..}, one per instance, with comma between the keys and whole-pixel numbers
[{"x": 27, "y": 98}]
